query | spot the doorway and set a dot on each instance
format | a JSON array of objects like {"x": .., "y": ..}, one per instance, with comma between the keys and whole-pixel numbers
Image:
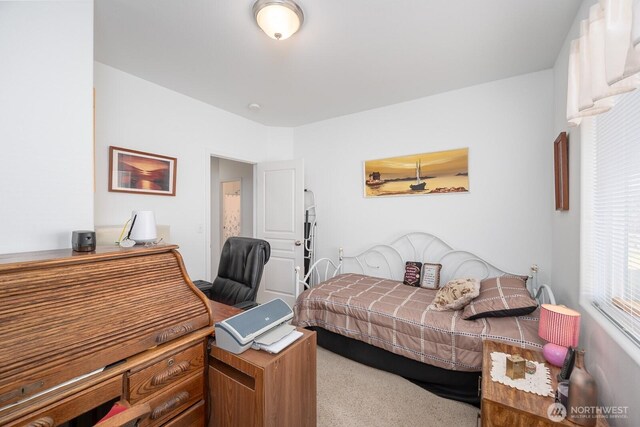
[{"x": 231, "y": 204}]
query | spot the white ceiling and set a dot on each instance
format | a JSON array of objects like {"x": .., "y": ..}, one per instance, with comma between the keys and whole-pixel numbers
[{"x": 350, "y": 55}]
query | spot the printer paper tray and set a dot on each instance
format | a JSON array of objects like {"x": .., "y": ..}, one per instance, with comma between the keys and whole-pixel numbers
[{"x": 275, "y": 334}]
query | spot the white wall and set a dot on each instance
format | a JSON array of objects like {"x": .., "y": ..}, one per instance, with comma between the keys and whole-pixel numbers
[
  {"x": 46, "y": 190},
  {"x": 134, "y": 113},
  {"x": 616, "y": 373},
  {"x": 506, "y": 216}
]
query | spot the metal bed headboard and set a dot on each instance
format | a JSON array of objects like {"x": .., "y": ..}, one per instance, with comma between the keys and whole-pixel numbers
[{"x": 388, "y": 261}]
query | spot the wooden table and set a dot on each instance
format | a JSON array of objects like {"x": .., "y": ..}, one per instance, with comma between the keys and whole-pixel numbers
[
  {"x": 222, "y": 311},
  {"x": 256, "y": 388},
  {"x": 504, "y": 406}
]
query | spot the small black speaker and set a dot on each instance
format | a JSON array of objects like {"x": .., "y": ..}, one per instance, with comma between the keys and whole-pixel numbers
[{"x": 83, "y": 240}]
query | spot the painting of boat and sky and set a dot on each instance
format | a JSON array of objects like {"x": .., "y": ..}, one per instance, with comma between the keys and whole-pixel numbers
[{"x": 428, "y": 173}]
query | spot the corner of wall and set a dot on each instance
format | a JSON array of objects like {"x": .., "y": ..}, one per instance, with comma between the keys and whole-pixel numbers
[
  {"x": 280, "y": 145},
  {"x": 614, "y": 370}
]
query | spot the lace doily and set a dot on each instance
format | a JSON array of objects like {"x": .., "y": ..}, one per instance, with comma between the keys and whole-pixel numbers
[{"x": 538, "y": 383}]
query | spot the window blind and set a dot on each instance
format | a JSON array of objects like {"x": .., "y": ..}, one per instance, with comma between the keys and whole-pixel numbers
[{"x": 614, "y": 246}]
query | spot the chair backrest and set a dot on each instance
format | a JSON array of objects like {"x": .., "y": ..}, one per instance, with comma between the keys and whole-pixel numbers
[{"x": 241, "y": 265}]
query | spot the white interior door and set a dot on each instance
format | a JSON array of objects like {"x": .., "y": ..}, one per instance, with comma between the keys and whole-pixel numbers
[{"x": 280, "y": 221}]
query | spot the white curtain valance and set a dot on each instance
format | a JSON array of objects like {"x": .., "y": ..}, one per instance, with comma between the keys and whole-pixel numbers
[
  {"x": 605, "y": 61},
  {"x": 635, "y": 31}
]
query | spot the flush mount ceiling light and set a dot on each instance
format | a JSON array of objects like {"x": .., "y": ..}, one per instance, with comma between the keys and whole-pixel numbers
[{"x": 279, "y": 19}]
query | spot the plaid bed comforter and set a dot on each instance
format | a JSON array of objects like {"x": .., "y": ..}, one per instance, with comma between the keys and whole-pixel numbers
[{"x": 395, "y": 317}]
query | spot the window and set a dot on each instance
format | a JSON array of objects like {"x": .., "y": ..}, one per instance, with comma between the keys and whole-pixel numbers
[{"x": 611, "y": 215}]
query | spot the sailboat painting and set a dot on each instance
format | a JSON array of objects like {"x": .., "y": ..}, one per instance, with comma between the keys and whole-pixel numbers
[{"x": 427, "y": 173}]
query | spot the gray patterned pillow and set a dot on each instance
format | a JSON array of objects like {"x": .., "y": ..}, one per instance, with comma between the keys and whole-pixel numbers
[
  {"x": 455, "y": 294},
  {"x": 501, "y": 297}
]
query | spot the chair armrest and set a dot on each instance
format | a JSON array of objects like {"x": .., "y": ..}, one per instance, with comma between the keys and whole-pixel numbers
[{"x": 204, "y": 287}]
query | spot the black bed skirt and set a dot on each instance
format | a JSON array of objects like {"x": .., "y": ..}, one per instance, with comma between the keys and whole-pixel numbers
[{"x": 456, "y": 385}]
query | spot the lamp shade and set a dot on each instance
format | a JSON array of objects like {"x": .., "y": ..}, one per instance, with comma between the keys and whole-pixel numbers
[
  {"x": 143, "y": 227},
  {"x": 279, "y": 19},
  {"x": 559, "y": 325}
]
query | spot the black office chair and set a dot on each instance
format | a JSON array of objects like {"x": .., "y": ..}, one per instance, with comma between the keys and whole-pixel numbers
[{"x": 241, "y": 264}]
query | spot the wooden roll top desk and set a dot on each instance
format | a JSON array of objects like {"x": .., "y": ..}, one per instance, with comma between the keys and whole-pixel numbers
[{"x": 130, "y": 320}]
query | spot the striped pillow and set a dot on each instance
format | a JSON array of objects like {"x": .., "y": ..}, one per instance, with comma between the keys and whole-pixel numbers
[{"x": 501, "y": 297}]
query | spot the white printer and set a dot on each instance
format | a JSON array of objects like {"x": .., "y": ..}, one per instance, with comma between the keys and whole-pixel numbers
[{"x": 236, "y": 334}]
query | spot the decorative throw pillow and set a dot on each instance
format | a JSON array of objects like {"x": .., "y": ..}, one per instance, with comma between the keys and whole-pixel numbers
[
  {"x": 501, "y": 297},
  {"x": 455, "y": 294},
  {"x": 412, "y": 272},
  {"x": 430, "y": 275}
]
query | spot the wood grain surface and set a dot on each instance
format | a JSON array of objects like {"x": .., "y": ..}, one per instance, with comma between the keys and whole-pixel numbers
[
  {"x": 74, "y": 406},
  {"x": 192, "y": 417},
  {"x": 504, "y": 406},
  {"x": 166, "y": 372},
  {"x": 262, "y": 389},
  {"x": 26, "y": 409},
  {"x": 80, "y": 316},
  {"x": 221, "y": 311},
  {"x": 173, "y": 400},
  {"x": 44, "y": 259}
]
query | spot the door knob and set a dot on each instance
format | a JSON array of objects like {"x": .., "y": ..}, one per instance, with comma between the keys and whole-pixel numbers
[{"x": 298, "y": 242}]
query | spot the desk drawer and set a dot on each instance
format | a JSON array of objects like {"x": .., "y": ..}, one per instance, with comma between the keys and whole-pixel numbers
[
  {"x": 74, "y": 405},
  {"x": 174, "y": 400},
  {"x": 169, "y": 371},
  {"x": 192, "y": 417}
]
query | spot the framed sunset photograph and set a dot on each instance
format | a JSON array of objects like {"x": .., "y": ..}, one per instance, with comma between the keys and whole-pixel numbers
[
  {"x": 133, "y": 171},
  {"x": 417, "y": 174}
]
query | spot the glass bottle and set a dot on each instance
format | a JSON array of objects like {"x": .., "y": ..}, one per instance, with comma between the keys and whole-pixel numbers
[{"x": 583, "y": 394}]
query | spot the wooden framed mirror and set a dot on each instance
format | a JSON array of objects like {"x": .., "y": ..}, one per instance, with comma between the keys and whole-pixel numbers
[{"x": 561, "y": 168}]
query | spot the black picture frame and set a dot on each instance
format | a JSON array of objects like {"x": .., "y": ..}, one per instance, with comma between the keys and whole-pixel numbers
[{"x": 567, "y": 366}]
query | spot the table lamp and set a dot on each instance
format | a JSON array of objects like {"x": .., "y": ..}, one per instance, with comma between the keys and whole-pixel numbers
[
  {"x": 143, "y": 227},
  {"x": 560, "y": 326}
]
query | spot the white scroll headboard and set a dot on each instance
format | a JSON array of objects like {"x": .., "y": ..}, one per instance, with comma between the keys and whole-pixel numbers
[{"x": 388, "y": 261}]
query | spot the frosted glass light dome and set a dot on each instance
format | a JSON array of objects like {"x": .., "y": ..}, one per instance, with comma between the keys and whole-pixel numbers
[{"x": 279, "y": 19}]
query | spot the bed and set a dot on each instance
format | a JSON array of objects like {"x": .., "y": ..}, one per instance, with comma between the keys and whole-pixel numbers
[{"x": 361, "y": 310}]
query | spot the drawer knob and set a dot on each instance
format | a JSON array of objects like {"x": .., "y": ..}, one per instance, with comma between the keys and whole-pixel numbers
[
  {"x": 169, "y": 405},
  {"x": 169, "y": 374},
  {"x": 42, "y": 422}
]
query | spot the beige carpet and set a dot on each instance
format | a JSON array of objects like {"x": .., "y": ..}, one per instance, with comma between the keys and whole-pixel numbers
[{"x": 351, "y": 394}]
